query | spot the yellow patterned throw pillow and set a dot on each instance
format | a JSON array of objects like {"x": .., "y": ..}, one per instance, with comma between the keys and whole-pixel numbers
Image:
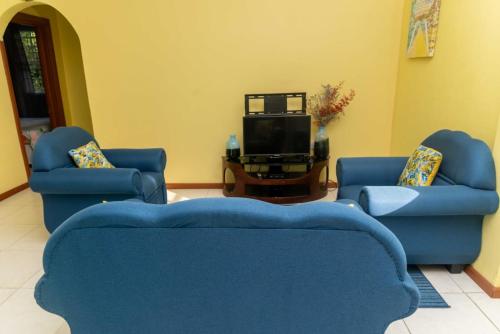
[
  {"x": 421, "y": 168},
  {"x": 89, "y": 156}
]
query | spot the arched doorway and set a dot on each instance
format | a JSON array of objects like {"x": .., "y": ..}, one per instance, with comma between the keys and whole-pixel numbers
[{"x": 42, "y": 59}]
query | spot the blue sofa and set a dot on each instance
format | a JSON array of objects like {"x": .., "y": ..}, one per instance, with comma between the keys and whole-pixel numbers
[
  {"x": 66, "y": 189},
  {"x": 227, "y": 265},
  {"x": 441, "y": 224}
]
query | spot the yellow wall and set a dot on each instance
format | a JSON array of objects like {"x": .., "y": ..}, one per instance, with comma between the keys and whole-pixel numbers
[
  {"x": 458, "y": 88},
  {"x": 173, "y": 74},
  {"x": 69, "y": 67},
  {"x": 488, "y": 263},
  {"x": 74, "y": 85}
]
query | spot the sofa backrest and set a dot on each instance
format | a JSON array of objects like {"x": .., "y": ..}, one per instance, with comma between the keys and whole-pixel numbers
[
  {"x": 225, "y": 266},
  {"x": 51, "y": 150},
  {"x": 466, "y": 161}
]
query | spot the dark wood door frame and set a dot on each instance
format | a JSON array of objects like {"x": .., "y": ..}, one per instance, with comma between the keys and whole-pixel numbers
[
  {"x": 14, "y": 107},
  {"x": 49, "y": 66},
  {"x": 49, "y": 74}
]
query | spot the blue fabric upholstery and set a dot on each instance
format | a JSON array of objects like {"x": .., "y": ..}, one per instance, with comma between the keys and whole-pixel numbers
[
  {"x": 421, "y": 201},
  {"x": 52, "y": 150},
  {"x": 145, "y": 160},
  {"x": 350, "y": 192},
  {"x": 225, "y": 266},
  {"x": 383, "y": 171},
  {"x": 151, "y": 182},
  {"x": 438, "y": 240},
  {"x": 441, "y": 224},
  {"x": 66, "y": 189},
  {"x": 83, "y": 181},
  {"x": 467, "y": 161},
  {"x": 351, "y": 203}
]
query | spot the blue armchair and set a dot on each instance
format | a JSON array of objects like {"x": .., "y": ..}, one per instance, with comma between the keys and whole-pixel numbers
[
  {"x": 441, "y": 224},
  {"x": 66, "y": 189},
  {"x": 225, "y": 266}
]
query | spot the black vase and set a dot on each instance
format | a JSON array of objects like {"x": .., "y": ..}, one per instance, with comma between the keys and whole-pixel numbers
[
  {"x": 233, "y": 154},
  {"x": 321, "y": 144},
  {"x": 322, "y": 149}
]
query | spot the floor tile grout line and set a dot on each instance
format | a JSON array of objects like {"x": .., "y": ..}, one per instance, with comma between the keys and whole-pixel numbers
[
  {"x": 12, "y": 292},
  {"x": 31, "y": 277},
  {"x": 16, "y": 224},
  {"x": 15, "y": 246},
  {"x": 463, "y": 290},
  {"x": 466, "y": 294},
  {"x": 16, "y": 210},
  {"x": 459, "y": 286},
  {"x": 460, "y": 290},
  {"x": 484, "y": 313},
  {"x": 406, "y": 326},
  {"x": 22, "y": 236}
]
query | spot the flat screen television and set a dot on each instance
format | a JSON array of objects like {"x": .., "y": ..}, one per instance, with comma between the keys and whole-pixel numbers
[{"x": 272, "y": 135}]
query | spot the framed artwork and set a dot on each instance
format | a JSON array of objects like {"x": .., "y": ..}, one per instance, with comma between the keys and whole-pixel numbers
[{"x": 422, "y": 34}]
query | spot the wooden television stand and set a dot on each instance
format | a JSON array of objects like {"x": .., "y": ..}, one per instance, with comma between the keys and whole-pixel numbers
[{"x": 281, "y": 186}]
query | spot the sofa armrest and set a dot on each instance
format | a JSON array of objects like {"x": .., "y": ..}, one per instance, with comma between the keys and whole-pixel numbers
[
  {"x": 88, "y": 181},
  {"x": 370, "y": 171},
  {"x": 428, "y": 201},
  {"x": 145, "y": 160}
]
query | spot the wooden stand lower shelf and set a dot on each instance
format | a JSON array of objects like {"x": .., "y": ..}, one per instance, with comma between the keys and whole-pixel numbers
[{"x": 304, "y": 187}]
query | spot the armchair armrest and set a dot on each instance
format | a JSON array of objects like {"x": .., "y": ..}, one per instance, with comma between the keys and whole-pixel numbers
[
  {"x": 145, "y": 160},
  {"x": 87, "y": 181},
  {"x": 370, "y": 171},
  {"x": 428, "y": 201}
]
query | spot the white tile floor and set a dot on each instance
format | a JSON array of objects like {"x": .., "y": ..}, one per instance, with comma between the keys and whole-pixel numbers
[{"x": 22, "y": 238}]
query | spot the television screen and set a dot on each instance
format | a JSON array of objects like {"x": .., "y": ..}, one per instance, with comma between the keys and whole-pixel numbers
[{"x": 277, "y": 134}]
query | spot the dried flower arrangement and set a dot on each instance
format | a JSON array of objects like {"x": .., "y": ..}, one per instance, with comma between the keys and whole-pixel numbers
[{"x": 329, "y": 103}]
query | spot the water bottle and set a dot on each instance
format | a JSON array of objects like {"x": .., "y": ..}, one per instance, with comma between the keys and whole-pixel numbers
[{"x": 233, "y": 148}]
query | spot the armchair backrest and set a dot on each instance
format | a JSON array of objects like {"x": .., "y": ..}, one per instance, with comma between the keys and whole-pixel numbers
[
  {"x": 225, "y": 266},
  {"x": 51, "y": 150},
  {"x": 466, "y": 161}
]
